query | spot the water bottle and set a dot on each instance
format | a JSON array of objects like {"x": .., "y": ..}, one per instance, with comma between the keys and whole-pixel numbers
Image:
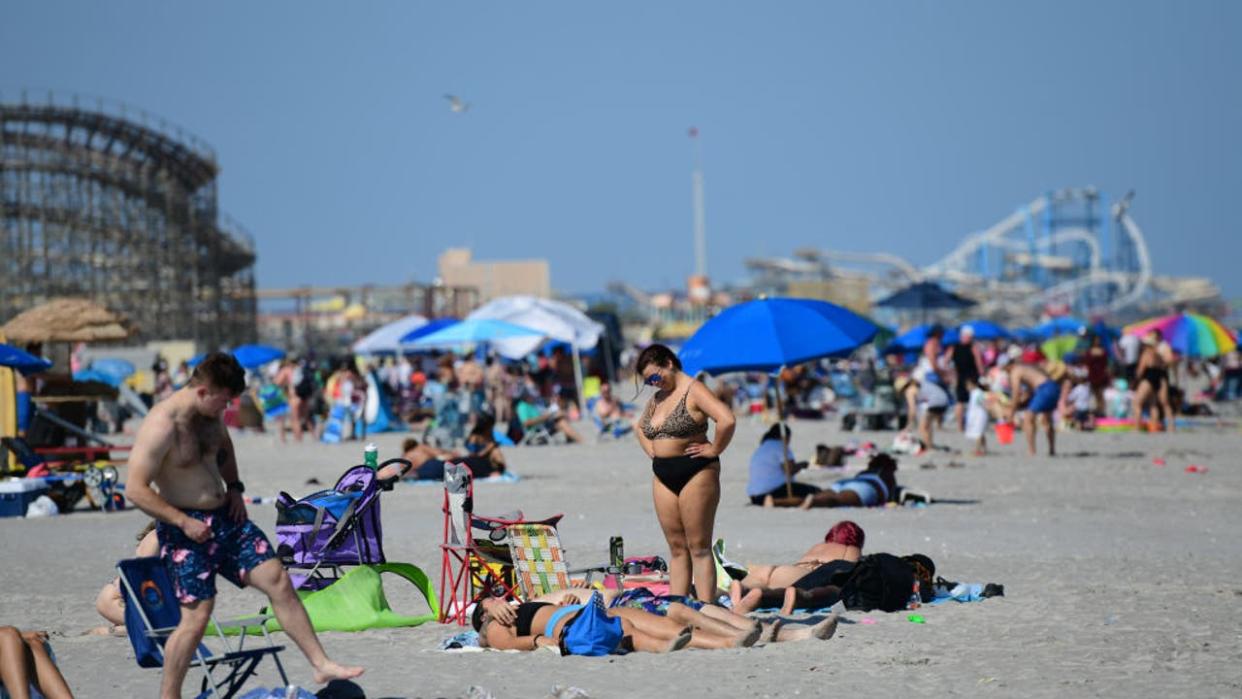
[
  {"x": 370, "y": 456},
  {"x": 616, "y": 552}
]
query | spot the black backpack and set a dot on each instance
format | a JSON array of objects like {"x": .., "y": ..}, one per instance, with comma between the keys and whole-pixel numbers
[
  {"x": 879, "y": 581},
  {"x": 306, "y": 386}
]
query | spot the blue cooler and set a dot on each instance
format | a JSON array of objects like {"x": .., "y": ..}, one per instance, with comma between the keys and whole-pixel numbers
[{"x": 16, "y": 494}]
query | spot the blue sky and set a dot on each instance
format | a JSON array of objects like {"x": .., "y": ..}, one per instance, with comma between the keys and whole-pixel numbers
[{"x": 864, "y": 126}]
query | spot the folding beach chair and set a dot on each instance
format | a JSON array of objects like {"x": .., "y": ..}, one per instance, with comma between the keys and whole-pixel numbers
[
  {"x": 475, "y": 559},
  {"x": 151, "y": 614},
  {"x": 539, "y": 561}
]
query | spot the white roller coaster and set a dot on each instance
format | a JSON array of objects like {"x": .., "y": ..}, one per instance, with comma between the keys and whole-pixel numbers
[
  {"x": 1067, "y": 248},
  {"x": 1082, "y": 276}
]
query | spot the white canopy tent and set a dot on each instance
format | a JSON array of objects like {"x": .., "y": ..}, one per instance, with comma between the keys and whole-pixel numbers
[
  {"x": 555, "y": 319},
  {"x": 386, "y": 338}
]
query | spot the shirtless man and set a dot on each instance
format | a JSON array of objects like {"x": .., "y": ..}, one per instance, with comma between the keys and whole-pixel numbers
[
  {"x": 1046, "y": 395},
  {"x": 184, "y": 450}
]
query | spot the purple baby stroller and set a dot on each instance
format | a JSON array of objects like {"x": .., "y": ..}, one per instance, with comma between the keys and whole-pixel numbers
[{"x": 323, "y": 531}]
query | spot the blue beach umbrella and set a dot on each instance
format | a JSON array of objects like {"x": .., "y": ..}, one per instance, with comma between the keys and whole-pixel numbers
[
  {"x": 767, "y": 334},
  {"x": 912, "y": 340},
  {"x": 21, "y": 360},
  {"x": 120, "y": 368},
  {"x": 254, "y": 356},
  {"x": 86, "y": 375},
  {"x": 472, "y": 332}
]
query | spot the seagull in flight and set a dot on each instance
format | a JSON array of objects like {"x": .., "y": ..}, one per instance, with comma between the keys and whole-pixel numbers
[{"x": 456, "y": 104}]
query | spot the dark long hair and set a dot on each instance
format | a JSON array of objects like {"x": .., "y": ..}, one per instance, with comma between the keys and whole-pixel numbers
[{"x": 657, "y": 354}]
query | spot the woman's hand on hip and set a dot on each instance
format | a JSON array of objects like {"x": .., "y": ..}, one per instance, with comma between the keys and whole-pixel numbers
[{"x": 705, "y": 450}]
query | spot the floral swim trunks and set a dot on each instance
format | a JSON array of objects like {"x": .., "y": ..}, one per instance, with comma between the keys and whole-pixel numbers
[
  {"x": 643, "y": 599},
  {"x": 234, "y": 549}
]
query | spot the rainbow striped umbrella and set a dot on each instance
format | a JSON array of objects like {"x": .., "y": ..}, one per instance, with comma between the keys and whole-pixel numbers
[{"x": 1190, "y": 334}]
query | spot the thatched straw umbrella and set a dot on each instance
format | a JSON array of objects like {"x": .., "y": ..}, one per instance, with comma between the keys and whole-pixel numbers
[{"x": 67, "y": 320}]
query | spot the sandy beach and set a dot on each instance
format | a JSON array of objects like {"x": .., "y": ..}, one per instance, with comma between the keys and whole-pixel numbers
[{"x": 1121, "y": 576}]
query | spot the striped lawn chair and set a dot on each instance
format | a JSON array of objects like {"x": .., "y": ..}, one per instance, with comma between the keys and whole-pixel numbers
[{"x": 539, "y": 561}]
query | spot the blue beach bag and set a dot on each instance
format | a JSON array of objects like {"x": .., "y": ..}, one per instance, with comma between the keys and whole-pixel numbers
[{"x": 593, "y": 632}]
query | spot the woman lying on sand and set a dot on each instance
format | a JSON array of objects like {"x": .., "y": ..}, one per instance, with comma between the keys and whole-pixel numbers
[
  {"x": 110, "y": 603},
  {"x": 708, "y": 618},
  {"x": 533, "y": 625},
  {"x": 843, "y": 542},
  {"x": 875, "y": 486},
  {"x": 25, "y": 663}
]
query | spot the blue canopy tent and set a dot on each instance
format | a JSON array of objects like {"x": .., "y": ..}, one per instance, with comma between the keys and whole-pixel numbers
[
  {"x": 924, "y": 297},
  {"x": 386, "y": 339},
  {"x": 769, "y": 334},
  {"x": 432, "y": 326},
  {"x": 472, "y": 332}
]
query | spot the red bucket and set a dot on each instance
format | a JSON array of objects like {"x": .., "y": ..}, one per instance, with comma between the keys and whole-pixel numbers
[{"x": 1004, "y": 432}]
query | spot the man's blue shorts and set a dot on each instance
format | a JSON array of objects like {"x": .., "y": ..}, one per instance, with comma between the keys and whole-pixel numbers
[
  {"x": 1046, "y": 397},
  {"x": 234, "y": 549}
]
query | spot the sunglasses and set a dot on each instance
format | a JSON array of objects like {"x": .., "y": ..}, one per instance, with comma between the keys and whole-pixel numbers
[{"x": 653, "y": 380}]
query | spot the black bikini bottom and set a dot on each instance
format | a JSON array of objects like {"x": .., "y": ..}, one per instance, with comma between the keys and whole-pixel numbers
[{"x": 676, "y": 471}]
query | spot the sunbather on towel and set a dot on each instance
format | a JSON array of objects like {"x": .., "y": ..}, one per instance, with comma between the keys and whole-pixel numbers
[
  {"x": 25, "y": 663},
  {"x": 875, "y": 486},
  {"x": 427, "y": 462},
  {"x": 843, "y": 542},
  {"x": 533, "y": 625},
  {"x": 111, "y": 600},
  {"x": 700, "y": 615}
]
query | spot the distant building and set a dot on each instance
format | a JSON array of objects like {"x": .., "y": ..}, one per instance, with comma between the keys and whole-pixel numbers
[{"x": 494, "y": 278}]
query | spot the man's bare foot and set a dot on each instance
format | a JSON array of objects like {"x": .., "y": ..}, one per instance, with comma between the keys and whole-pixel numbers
[
  {"x": 824, "y": 630},
  {"x": 747, "y": 639},
  {"x": 791, "y": 600},
  {"x": 748, "y": 602},
  {"x": 331, "y": 670},
  {"x": 769, "y": 501},
  {"x": 807, "y": 503},
  {"x": 682, "y": 640}
]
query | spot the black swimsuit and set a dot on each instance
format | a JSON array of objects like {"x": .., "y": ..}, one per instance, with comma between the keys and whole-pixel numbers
[
  {"x": 676, "y": 471},
  {"x": 526, "y": 615}
]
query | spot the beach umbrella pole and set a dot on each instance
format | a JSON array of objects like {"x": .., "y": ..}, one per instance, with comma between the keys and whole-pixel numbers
[
  {"x": 780, "y": 420},
  {"x": 577, "y": 375}
]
